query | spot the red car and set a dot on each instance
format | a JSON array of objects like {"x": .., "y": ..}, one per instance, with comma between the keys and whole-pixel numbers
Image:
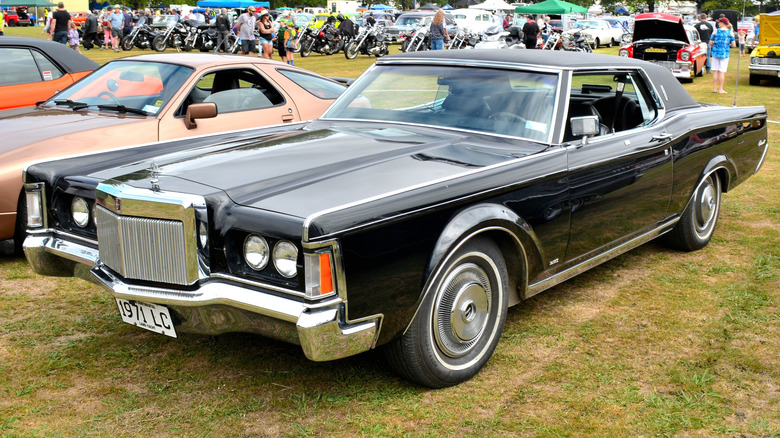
[
  {"x": 79, "y": 17},
  {"x": 663, "y": 39},
  {"x": 16, "y": 18}
]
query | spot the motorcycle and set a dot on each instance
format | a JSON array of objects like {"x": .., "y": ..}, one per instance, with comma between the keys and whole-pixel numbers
[
  {"x": 463, "y": 40},
  {"x": 495, "y": 37},
  {"x": 141, "y": 36},
  {"x": 417, "y": 41},
  {"x": 300, "y": 38},
  {"x": 200, "y": 36},
  {"x": 370, "y": 40},
  {"x": 325, "y": 41},
  {"x": 576, "y": 42},
  {"x": 174, "y": 36}
]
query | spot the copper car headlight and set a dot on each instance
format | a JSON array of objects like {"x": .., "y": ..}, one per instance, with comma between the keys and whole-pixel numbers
[
  {"x": 79, "y": 211},
  {"x": 286, "y": 258},
  {"x": 256, "y": 252}
]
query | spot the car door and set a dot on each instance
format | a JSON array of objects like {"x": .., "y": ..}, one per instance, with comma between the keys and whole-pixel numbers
[
  {"x": 28, "y": 76},
  {"x": 620, "y": 182},
  {"x": 245, "y": 98}
]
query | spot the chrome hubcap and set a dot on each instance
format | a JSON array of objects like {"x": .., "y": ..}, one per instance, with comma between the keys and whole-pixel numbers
[
  {"x": 462, "y": 310},
  {"x": 707, "y": 206}
]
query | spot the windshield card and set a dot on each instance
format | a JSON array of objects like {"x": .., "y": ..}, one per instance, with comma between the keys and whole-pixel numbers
[
  {"x": 151, "y": 109},
  {"x": 147, "y": 316}
]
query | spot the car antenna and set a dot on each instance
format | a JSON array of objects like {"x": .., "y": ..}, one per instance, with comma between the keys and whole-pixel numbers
[{"x": 736, "y": 82}]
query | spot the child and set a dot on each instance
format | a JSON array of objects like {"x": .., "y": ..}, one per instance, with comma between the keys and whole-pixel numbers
[
  {"x": 742, "y": 34},
  {"x": 73, "y": 36}
]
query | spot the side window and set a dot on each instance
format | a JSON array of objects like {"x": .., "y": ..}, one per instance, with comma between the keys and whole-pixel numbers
[
  {"x": 596, "y": 94},
  {"x": 234, "y": 90},
  {"x": 318, "y": 87},
  {"x": 19, "y": 67},
  {"x": 48, "y": 70}
]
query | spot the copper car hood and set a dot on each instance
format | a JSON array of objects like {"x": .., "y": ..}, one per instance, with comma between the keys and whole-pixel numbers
[{"x": 27, "y": 126}]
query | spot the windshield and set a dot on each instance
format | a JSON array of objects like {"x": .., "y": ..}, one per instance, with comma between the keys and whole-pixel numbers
[
  {"x": 409, "y": 21},
  {"x": 144, "y": 87},
  {"x": 503, "y": 102},
  {"x": 586, "y": 25}
]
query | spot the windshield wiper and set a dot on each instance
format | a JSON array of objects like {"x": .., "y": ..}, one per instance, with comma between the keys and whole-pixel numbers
[
  {"x": 75, "y": 105},
  {"x": 123, "y": 109}
]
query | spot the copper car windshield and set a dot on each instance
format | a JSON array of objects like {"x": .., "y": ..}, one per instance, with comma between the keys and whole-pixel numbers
[
  {"x": 506, "y": 102},
  {"x": 142, "y": 88}
]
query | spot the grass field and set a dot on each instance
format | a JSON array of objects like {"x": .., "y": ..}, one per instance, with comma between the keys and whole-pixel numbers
[{"x": 653, "y": 343}]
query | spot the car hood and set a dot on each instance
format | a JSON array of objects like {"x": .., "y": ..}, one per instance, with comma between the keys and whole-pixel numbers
[
  {"x": 323, "y": 166},
  {"x": 770, "y": 30},
  {"x": 659, "y": 28},
  {"x": 27, "y": 126}
]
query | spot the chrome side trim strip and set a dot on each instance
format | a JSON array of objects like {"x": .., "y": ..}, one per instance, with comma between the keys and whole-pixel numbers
[
  {"x": 763, "y": 156},
  {"x": 541, "y": 286}
]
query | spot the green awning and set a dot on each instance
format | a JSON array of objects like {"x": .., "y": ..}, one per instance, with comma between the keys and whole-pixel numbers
[
  {"x": 28, "y": 3},
  {"x": 552, "y": 7}
]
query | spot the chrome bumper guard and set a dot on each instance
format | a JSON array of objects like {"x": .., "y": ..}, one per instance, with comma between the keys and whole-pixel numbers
[
  {"x": 218, "y": 306},
  {"x": 59, "y": 256}
]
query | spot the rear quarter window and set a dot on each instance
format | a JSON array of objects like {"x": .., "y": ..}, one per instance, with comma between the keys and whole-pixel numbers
[{"x": 318, "y": 87}]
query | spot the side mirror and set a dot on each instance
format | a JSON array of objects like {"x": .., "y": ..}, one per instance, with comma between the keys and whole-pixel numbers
[
  {"x": 207, "y": 110},
  {"x": 584, "y": 126}
]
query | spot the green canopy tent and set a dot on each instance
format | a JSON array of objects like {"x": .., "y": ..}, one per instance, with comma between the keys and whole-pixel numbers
[
  {"x": 28, "y": 3},
  {"x": 552, "y": 7}
]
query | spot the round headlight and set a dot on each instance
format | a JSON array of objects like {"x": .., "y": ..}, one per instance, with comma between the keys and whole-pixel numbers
[
  {"x": 754, "y": 60},
  {"x": 203, "y": 234},
  {"x": 685, "y": 56},
  {"x": 286, "y": 258},
  {"x": 79, "y": 210},
  {"x": 624, "y": 53},
  {"x": 256, "y": 252}
]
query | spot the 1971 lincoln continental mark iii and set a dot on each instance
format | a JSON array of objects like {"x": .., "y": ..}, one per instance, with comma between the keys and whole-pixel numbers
[{"x": 440, "y": 189}]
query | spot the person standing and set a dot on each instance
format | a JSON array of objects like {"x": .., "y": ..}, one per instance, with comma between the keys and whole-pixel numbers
[
  {"x": 223, "y": 31},
  {"x": 438, "y": 32},
  {"x": 720, "y": 41},
  {"x": 117, "y": 21},
  {"x": 2, "y": 22},
  {"x": 127, "y": 25},
  {"x": 90, "y": 31},
  {"x": 59, "y": 24},
  {"x": 705, "y": 31},
  {"x": 266, "y": 28},
  {"x": 246, "y": 31},
  {"x": 531, "y": 34},
  {"x": 105, "y": 26},
  {"x": 73, "y": 36},
  {"x": 47, "y": 28},
  {"x": 371, "y": 21}
]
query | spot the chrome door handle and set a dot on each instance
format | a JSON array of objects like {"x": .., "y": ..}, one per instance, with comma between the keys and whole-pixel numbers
[{"x": 664, "y": 136}]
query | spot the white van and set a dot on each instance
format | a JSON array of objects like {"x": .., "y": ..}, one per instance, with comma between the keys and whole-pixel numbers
[{"x": 475, "y": 20}]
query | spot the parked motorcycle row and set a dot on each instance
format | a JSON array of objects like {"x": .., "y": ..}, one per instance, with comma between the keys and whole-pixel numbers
[{"x": 494, "y": 38}]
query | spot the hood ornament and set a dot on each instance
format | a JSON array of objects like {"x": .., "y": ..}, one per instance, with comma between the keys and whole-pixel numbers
[{"x": 154, "y": 174}]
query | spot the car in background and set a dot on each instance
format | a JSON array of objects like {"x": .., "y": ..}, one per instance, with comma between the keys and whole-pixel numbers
[
  {"x": 765, "y": 58},
  {"x": 33, "y": 70},
  {"x": 474, "y": 20},
  {"x": 410, "y": 216},
  {"x": 663, "y": 39},
  {"x": 79, "y": 18},
  {"x": 407, "y": 23},
  {"x": 598, "y": 32},
  {"x": 149, "y": 98},
  {"x": 16, "y": 17}
]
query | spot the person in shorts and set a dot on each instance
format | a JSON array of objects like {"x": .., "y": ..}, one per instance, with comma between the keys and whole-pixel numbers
[
  {"x": 117, "y": 20},
  {"x": 720, "y": 41},
  {"x": 246, "y": 31},
  {"x": 266, "y": 29}
]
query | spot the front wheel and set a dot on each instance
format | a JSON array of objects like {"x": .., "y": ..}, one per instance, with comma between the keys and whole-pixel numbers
[
  {"x": 597, "y": 43},
  {"x": 126, "y": 43},
  {"x": 697, "y": 223},
  {"x": 306, "y": 48},
  {"x": 460, "y": 320},
  {"x": 158, "y": 43},
  {"x": 351, "y": 51}
]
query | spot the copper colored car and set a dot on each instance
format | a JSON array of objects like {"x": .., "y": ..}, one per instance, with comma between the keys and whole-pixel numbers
[{"x": 150, "y": 98}]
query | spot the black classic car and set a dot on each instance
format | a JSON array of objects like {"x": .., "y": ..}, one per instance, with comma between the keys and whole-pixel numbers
[{"x": 440, "y": 189}]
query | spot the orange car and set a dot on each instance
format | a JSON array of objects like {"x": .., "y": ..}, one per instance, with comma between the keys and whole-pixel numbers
[
  {"x": 150, "y": 98},
  {"x": 79, "y": 17},
  {"x": 33, "y": 70}
]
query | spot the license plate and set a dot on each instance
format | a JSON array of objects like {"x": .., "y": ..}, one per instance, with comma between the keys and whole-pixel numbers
[{"x": 147, "y": 316}]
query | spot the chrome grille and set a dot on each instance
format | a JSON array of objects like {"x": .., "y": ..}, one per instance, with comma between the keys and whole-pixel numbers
[
  {"x": 666, "y": 64},
  {"x": 768, "y": 61},
  {"x": 142, "y": 248}
]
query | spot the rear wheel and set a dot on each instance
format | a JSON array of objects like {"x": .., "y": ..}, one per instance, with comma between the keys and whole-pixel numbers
[
  {"x": 460, "y": 321},
  {"x": 598, "y": 44},
  {"x": 697, "y": 223}
]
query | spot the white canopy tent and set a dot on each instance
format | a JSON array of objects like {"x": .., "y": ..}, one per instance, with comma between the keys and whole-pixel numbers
[{"x": 494, "y": 5}]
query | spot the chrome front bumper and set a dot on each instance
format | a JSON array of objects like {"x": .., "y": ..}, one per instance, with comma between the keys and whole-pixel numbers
[
  {"x": 218, "y": 305},
  {"x": 765, "y": 70}
]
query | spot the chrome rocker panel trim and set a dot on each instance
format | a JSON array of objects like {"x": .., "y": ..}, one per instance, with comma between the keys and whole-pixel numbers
[{"x": 217, "y": 307}]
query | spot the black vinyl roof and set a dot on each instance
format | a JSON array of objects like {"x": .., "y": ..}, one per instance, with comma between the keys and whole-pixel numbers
[
  {"x": 61, "y": 54},
  {"x": 673, "y": 94}
]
